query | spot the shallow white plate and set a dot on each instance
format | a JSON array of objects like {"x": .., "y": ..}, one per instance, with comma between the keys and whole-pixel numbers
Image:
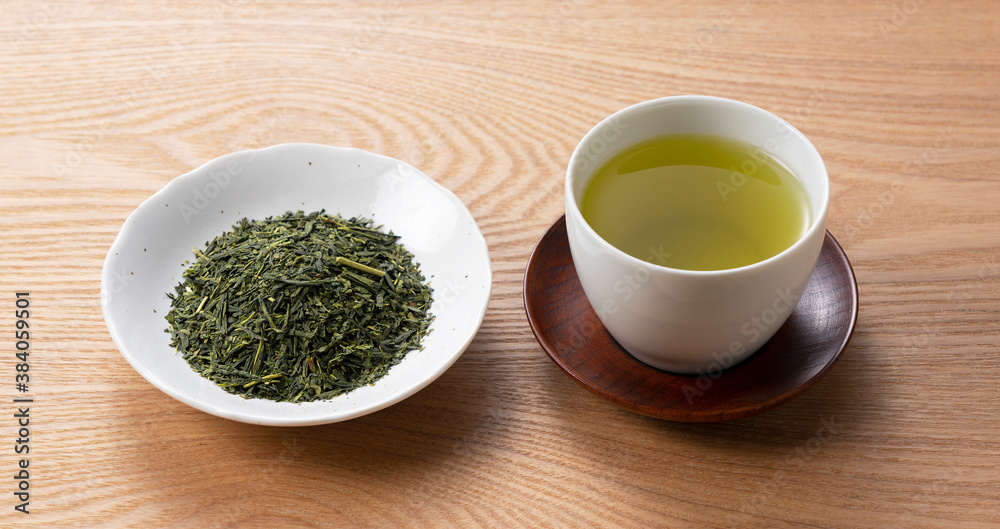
[{"x": 146, "y": 262}]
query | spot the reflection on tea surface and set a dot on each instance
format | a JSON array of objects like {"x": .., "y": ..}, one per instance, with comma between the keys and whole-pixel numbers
[{"x": 697, "y": 202}]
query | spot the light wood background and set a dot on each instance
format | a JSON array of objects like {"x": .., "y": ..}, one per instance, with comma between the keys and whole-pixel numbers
[{"x": 102, "y": 104}]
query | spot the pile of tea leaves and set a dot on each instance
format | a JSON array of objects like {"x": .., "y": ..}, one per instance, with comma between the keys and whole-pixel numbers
[{"x": 299, "y": 307}]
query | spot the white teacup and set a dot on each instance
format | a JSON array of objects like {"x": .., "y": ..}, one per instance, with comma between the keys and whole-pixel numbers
[{"x": 693, "y": 321}]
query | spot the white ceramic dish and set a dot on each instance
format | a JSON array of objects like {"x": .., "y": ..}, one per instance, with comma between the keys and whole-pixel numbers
[{"x": 145, "y": 262}]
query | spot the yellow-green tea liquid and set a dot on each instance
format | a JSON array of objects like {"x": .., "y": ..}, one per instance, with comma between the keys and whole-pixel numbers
[{"x": 696, "y": 202}]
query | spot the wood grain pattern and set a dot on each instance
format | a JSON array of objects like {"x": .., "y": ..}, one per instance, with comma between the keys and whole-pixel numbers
[{"x": 105, "y": 103}]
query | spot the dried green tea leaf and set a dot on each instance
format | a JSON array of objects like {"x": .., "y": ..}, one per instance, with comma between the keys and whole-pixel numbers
[{"x": 299, "y": 307}]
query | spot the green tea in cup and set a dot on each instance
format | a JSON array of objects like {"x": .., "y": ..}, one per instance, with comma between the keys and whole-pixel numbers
[
  {"x": 684, "y": 232},
  {"x": 697, "y": 201}
]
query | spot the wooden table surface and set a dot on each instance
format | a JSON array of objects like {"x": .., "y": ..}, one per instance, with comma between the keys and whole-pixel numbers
[{"x": 103, "y": 104}]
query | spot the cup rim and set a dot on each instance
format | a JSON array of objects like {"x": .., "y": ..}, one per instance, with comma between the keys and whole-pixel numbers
[{"x": 818, "y": 223}]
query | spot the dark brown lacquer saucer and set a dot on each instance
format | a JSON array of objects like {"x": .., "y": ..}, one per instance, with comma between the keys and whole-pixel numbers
[{"x": 801, "y": 352}]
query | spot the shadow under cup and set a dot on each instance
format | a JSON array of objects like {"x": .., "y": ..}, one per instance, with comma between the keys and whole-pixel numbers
[{"x": 683, "y": 321}]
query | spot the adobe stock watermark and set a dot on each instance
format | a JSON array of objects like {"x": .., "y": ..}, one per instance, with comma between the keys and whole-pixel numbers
[
  {"x": 784, "y": 129},
  {"x": 753, "y": 330},
  {"x": 481, "y": 435},
  {"x": 758, "y": 156},
  {"x": 867, "y": 215},
  {"x": 450, "y": 290},
  {"x": 881, "y": 202},
  {"x": 202, "y": 195},
  {"x": 597, "y": 145},
  {"x": 78, "y": 154},
  {"x": 224, "y": 8},
  {"x": 484, "y": 90},
  {"x": 366, "y": 34},
  {"x": 711, "y": 29},
  {"x": 947, "y": 476},
  {"x": 579, "y": 335},
  {"x": 630, "y": 283},
  {"x": 748, "y": 168},
  {"x": 401, "y": 173},
  {"x": 289, "y": 454},
  {"x": 931, "y": 155},
  {"x": 32, "y": 26},
  {"x": 117, "y": 281},
  {"x": 266, "y": 135},
  {"x": 562, "y": 13},
  {"x": 796, "y": 458},
  {"x": 899, "y": 16},
  {"x": 220, "y": 178},
  {"x": 956, "y": 297},
  {"x": 558, "y": 15}
]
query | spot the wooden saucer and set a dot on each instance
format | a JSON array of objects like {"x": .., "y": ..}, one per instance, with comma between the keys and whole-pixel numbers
[{"x": 802, "y": 351}]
